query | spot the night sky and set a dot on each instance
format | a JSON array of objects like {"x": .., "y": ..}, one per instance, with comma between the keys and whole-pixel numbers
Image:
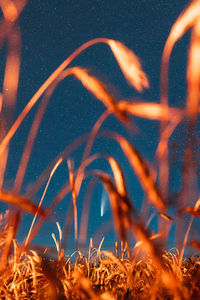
[{"x": 51, "y": 30}]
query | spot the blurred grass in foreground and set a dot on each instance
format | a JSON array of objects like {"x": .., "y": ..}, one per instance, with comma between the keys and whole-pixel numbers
[{"x": 147, "y": 271}]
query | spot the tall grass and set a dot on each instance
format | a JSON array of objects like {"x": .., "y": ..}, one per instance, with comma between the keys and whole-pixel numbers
[{"x": 26, "y": 274}]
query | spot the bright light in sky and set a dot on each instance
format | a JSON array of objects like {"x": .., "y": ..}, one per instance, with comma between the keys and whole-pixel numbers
[{"x": 104, "y": 201}]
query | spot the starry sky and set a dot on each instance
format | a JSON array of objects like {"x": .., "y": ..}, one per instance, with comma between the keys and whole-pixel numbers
[{"x": 50, "y": 31}]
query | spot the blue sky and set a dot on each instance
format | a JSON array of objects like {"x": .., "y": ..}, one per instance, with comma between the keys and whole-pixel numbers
[{"x": 51, "y": 31}]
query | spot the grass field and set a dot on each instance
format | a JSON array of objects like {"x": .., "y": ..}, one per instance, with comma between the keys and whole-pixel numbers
[{"x": 147, "y": 270}]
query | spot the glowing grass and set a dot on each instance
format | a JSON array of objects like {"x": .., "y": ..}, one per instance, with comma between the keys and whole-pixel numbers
[
  {"x": 143, "y": 270},
  {"x": 101, "y": 275}
]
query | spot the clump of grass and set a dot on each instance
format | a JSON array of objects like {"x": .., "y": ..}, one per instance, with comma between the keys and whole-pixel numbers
[
  {"x": 147, "y": 271},
  {"x": 100, "y": 275}
]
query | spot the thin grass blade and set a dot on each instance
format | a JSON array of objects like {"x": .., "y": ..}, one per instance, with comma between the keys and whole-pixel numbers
[
  {"x": 96, "y": 87},
  {"x": 21, "y": 202},
  {"x": 152, "y": 111},
  {"x": 122, "y": 220},
  {"x": 130, "y": 65},
  {"x": 142, "y": 170}
]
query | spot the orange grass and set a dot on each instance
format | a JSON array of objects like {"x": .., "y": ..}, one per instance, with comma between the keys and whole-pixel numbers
[{"x": 102, "y": 275}]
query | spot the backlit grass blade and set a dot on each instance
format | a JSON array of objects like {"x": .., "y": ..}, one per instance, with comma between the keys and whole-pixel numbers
[
  {"x": 166, "y": 217},
  {"x": 11, "y": 75},
  {"x": 85, "y": 211},
  {"x": 185, "y": 21},
  {"x": 121, "y": 219},
  {"x": 130, "y": 65},
  {"x": 152, "y": 237},
  {"x": 74, "y": 198},
  {"x": 119, "y": 179},
  {"x": 142, "y": 170},
  {"x": 99, "y": 89},
  {"x": 194, "y": 211},
  {"x": 125, "y": 205},
  {"x": 166, "y": 134},
  {"x": 41, "y": 200},
  {"x": 21, "y": 202},
  {"x": 11, "y": 11},
  {"x": 10, "y": 87},
  {"x": 193, "y": 73},
  {"x": 192, "y": 105},
  {"x": 151, "y": 111}
]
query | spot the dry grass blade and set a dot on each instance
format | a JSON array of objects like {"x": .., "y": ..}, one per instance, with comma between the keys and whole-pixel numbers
[
  {"x": 67, "y": 226},
  {"x": 193, "y": 96},
  {"x": 11, "y": 76},
  {"x": 21, "y": 202},
  {"x": 61, "y": 194},
  {"x": 4, "y": 157},
  {"x": 142, "y": 170},
  {"x": 59, "y": 230},
  {"x": 99, "y": 89},
  {"x": 125, "y": 204},
  {"x": 10, "y": 86},
  {"x": 56, "y": 242},
  {"x": 41, "y": 200},
  {"x": 142, "y": 235},
  {"x": 192, "y": 211},
  {"x": 95, "y": 86},
  {"x": 34, "y": 188},
  {"x": 152, "y": 237},
  {"x": 120, "y": 210},
  {"x": 118, "y": 175},
  {"x": 85, "y": 211},
  {"x": 193, "y": 72},
  {"x": 151, "y": 111},
  {"x": 166, "y": 217},
  {"x": 166, "y": 134},
  {"x": 72, "y": 183},
  {"x": 130, "y": 65},
  {"x": 9, "y": 10},
  {"x": 186, "y": 20}
]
